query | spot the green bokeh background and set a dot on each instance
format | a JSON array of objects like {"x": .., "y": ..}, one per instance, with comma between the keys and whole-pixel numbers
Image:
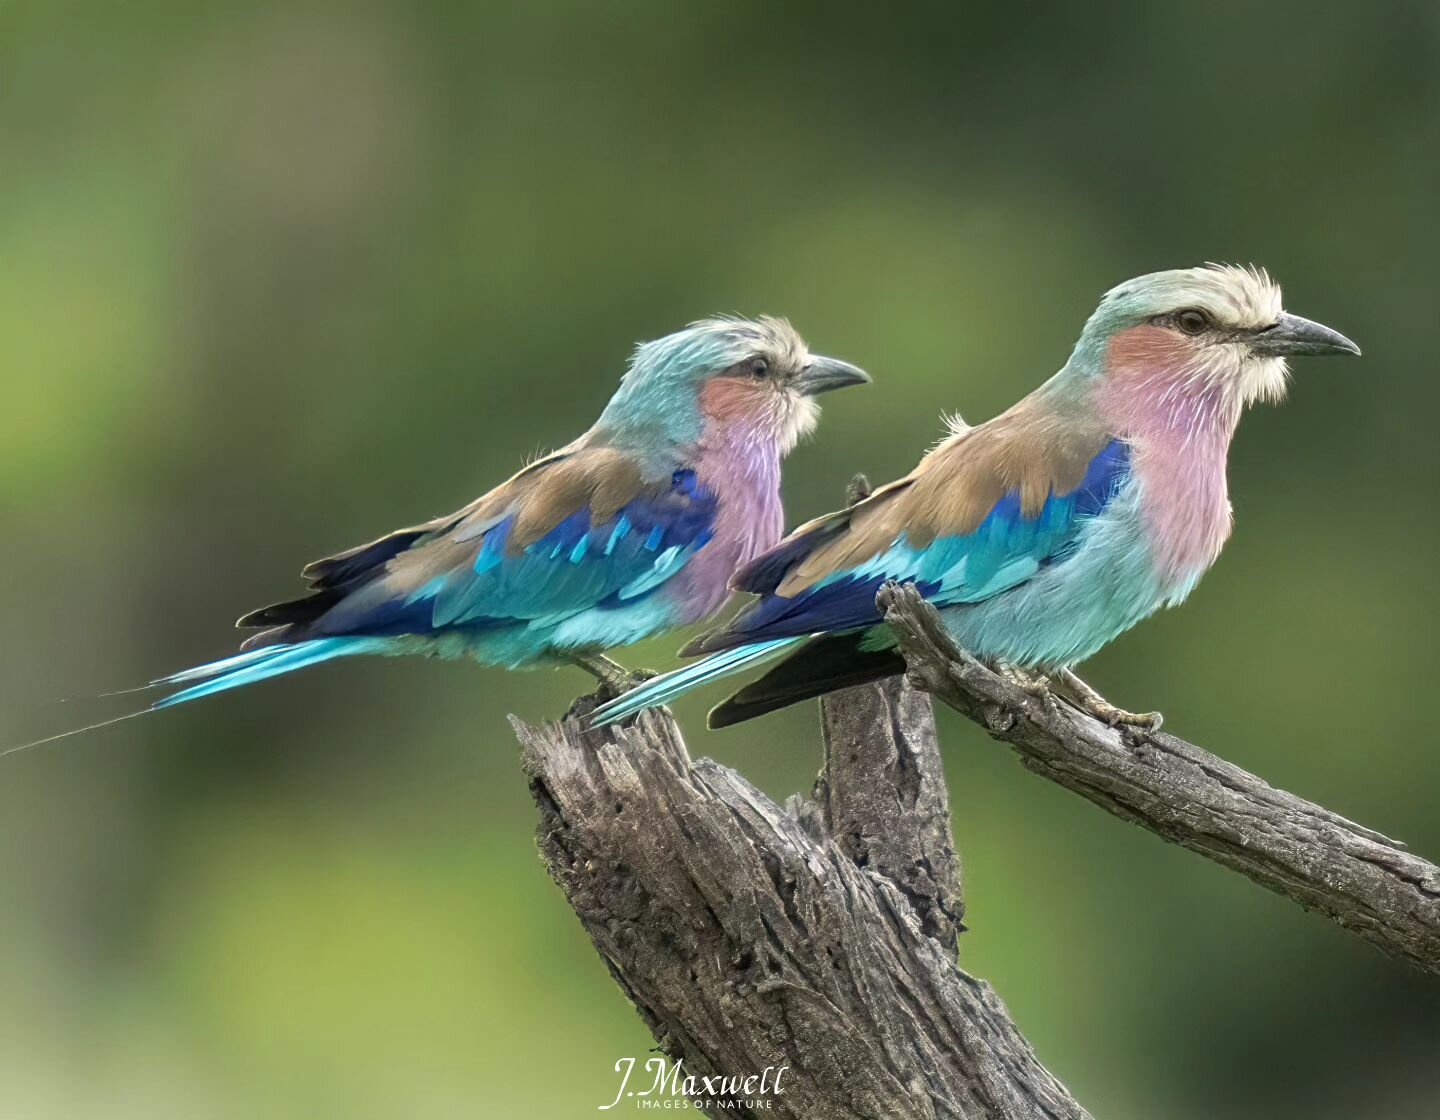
[{"x": 275, "y": 278}]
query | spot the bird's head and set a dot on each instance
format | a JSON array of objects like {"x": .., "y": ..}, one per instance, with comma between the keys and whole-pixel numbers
[
  {"x": 752, "y": 378},
  {"x": 1218, "y": 330}
]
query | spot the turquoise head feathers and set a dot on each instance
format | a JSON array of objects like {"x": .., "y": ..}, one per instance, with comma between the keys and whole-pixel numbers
[{"x": 723, "y": 369}]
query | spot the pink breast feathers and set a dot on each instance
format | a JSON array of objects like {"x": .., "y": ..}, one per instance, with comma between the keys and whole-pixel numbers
[
  {"x": 1174, "y": 404},
  {"x": 739, "y": 462}
]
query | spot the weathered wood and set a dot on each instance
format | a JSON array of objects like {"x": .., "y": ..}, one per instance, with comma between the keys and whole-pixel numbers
[
  {"x": 820, "y": 939},
  {"x": 883, "y": 799},
  {"x": 882, "y": 794},
  {"x": 1363, "y": 880}
]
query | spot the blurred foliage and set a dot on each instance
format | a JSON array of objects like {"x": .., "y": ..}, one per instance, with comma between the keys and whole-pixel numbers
[{"x": 277, "y": 277}]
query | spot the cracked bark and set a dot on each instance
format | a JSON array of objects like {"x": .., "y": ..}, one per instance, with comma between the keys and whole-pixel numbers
[
  {"x": 1364, "y": 881},
  {"x": 819, "y": 936}
]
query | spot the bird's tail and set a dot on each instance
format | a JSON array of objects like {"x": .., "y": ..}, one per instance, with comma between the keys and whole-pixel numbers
[
  {"x": 257, "y": 665},
  {"x": 228, "y": 673},
  {"x": 665, "y": 688},
  {"x": 825, "y": 664}
]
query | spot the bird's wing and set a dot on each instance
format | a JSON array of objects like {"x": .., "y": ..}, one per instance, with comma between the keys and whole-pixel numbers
[
  {"x": 981, "y": 514},
  {"x": 584, "y": 528}
]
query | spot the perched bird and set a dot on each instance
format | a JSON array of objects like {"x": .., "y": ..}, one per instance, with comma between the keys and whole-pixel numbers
[
  {"x": 1043, "y": 533},
  {"x": 634, "y": 528}
]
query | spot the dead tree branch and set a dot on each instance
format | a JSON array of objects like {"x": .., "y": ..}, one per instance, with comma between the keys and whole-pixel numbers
[
  {"x": 821, "y": 937},
  {"x": 818, "y": 937},
  {"x": 1364, "y": 881}
]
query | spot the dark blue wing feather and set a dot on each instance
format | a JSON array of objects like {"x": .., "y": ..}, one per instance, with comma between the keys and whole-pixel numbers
[{"x": 478, "y": 581}]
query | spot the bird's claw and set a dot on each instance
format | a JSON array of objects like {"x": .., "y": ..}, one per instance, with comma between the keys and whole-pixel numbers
[
  {"x": 1091, "y": 702},
  {"x": 612, "y": 688},
  {"x": 607, "y": 690},
  {"x": 1119, "y": 717},
  {"x": 618, "y": 687},
  {"x": 614, "y": 679},
  {"x": 1032, "y": 684}
]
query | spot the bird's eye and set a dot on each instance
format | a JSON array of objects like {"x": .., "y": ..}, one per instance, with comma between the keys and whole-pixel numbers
[
  {"x": 1192, "y": 321},
  {"x": 759, "y": 367}
]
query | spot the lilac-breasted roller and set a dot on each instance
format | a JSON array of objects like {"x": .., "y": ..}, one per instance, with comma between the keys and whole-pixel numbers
[
  {"x": 1041, "y": 534},
  {"x": 634, "y": 528}
]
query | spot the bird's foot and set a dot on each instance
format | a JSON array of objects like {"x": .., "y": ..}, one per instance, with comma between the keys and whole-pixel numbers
[
  {"x": 1033, "y": 684},
  {"x": 615, "y": 680},
  {"x": 1088, "y": 700}
]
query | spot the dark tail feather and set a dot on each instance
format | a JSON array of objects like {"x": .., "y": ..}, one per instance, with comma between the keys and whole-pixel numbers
[
  {"x": 295, "y": 612},
  {"x": 820, "y": 666}
]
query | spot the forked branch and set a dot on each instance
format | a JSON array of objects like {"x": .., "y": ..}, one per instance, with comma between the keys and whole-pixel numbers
[{"x": 819, "y": 937}]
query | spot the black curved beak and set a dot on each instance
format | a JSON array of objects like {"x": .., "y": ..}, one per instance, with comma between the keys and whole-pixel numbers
[
  {"x": 823, "y": 375},
  {"x": 1294, "y": 335}
]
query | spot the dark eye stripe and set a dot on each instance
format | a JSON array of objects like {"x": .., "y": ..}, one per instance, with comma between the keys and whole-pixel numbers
[{"x": 1188, "y": 320}]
